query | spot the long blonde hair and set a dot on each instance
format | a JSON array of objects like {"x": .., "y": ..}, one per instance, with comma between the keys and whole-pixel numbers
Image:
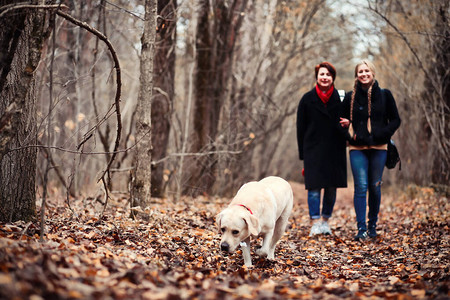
[{"x": 371, "y": 67}]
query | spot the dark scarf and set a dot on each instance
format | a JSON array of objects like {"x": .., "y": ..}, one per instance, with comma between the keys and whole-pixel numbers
[{"x": 325, "y": 97}]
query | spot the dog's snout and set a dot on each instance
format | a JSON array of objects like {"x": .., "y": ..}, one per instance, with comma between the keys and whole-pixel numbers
[{"x": 224, "y": 247}]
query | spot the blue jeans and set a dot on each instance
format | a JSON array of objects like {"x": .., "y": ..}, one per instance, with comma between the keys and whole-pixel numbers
[
  {"x": 329, "y": 198},
  {"x": 367, "y": 168}
]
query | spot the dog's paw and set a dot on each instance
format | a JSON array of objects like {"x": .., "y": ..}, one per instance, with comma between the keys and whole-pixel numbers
[
  {"x": 261, "y": 252},
  {"x": 243, "y": 244}
]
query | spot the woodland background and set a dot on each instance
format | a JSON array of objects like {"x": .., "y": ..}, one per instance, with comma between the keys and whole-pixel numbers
[
  {"x": 162, "y": 109},
  {"x": 227, "y": 79}
]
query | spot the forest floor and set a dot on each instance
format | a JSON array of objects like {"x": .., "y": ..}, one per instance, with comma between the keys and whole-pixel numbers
[{"x": 175, "y": 255}]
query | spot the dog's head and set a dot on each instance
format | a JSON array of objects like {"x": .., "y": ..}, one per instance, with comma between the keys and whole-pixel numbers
[{"x": 236, "y": 224}]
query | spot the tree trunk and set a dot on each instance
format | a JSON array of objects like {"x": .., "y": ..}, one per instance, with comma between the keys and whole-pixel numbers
[
  {"x": 21, "y": 41},
  {"x": 215, "y": 52},
  {"x": 163, "y": 91},
  {"x": 441, "y": 163},
  {"x": 142, "y": 176}
]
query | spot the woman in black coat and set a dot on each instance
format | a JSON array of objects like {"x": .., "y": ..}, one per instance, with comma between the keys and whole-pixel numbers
[
  {"x": 321, "y": 146},
  {"x": 371, "y": 116}
]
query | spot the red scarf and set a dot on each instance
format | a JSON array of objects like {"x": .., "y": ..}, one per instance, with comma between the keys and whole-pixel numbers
[{"x": 324, "y": 96}]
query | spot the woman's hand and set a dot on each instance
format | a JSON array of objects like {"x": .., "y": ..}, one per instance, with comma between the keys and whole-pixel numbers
[{"x": 344, "y": 122}]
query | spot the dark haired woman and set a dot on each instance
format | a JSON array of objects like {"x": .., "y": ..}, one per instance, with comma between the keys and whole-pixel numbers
[
  {"x": 371, "y": 116},
  {"x": 322, "y": 146}
]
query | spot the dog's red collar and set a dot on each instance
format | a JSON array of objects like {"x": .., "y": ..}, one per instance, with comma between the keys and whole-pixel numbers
[{"x": 246, "y": 208}]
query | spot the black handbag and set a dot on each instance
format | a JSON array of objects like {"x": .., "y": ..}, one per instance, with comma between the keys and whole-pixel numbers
[{"x": 393, "y": 156}]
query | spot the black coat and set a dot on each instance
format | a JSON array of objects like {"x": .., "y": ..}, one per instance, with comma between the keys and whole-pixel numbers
[
  {"x": 321, "y": 143},
  {"x": 384, "y": 118}
]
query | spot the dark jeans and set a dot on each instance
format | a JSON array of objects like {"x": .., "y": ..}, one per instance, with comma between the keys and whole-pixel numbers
[
  {"x": 329, "y": 198},
  {"x": 367, "y": 168}
]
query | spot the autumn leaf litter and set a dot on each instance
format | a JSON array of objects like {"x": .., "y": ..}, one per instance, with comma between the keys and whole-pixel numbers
[{"x": 175, "y": 254}]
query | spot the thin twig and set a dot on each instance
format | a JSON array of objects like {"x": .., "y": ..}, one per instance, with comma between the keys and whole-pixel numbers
[
  {"x": 55, "y": 167},
  {"x": 106, "y": 198},
  {"x": 49, "y": 121},
  {"x": 24, "y": 230},
  {"x": 125, "y": 10}
]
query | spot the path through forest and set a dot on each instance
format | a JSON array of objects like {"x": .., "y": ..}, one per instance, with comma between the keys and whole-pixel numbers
[{"x": 175, "y": 255}]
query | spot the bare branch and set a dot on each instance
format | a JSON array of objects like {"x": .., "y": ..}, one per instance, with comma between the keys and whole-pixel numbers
[
  {"x": 7, "y": 8},
  {"x": 102, "y": 37},
  {"x": 408, "y": 44}
]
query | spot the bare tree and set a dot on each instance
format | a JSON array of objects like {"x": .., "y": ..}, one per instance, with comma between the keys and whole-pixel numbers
[
  {"x": 217, "y": 33},
  {"x": 437, "y": 113},
  {"x": 243, "y": 131},
  {"x": 105, "y": 175},
  {"x": 274, "y": 65},
  {"x": 141, "y": 184},
  {"x": 416, "y": 57},
  {"x": 163, "y": 89},
  {"x": 22, "y": 36}
]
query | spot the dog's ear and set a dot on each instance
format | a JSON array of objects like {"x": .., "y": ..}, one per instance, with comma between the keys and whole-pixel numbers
[
  {"x": 252, "y": 224},
  {"x": 218, "y": 219}
]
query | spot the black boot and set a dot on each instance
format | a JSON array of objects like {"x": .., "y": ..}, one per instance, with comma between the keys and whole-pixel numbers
[
  {"x": 372, "y": 232},
  {"x": 362, "y": 235}
]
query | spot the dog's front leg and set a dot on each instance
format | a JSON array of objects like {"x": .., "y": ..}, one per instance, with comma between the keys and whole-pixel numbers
[
  {"x": 245, "y": 245},
  {"x": 264, "y": 251}
]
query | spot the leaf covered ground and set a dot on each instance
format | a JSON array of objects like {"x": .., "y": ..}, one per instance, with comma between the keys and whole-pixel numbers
[{"x": 175, "y": 254}]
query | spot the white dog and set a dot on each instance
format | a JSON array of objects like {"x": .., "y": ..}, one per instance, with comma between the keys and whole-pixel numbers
[{"x": 259, "y": 208}]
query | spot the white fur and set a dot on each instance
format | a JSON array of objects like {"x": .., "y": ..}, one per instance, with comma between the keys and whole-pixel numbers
[{"x": 270, "y": 201}]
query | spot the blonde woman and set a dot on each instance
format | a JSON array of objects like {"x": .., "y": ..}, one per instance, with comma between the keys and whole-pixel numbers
[{"x": 371, "y": 116}]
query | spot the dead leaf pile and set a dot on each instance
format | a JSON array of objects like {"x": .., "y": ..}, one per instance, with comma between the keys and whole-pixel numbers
[{"x": 175, "y": 254}]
